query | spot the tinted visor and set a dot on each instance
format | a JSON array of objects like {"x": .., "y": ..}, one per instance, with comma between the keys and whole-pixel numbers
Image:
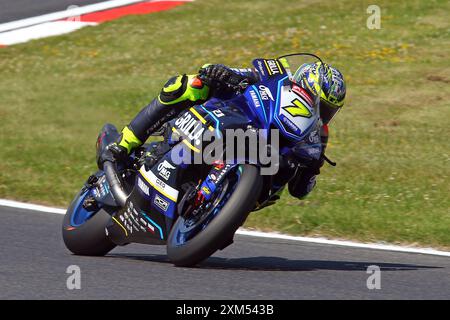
[{"x": 327, "y": 111}]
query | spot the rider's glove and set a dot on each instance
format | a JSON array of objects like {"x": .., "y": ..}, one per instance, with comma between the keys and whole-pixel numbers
[
  {"x": 113, "y": 153},
  {"x": 217, "y": 72},
  {"x": 220, "y": 76}
]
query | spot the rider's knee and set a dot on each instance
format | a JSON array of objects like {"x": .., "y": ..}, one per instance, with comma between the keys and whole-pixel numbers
[
  {"x": 183, "y": 88},
  {"x": 173, "y": 89}
]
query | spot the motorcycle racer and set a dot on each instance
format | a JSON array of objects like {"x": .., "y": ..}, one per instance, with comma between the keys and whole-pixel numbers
[{"x": 216, "y": 80}]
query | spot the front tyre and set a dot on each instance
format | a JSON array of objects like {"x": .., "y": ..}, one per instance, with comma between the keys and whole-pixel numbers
[
  {"x": 83, "y": 231},
  {"x": 185, "y": 249}
]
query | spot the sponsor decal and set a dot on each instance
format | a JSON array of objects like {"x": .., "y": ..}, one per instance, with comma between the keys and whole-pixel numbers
[
  {"x": 213, "y": 177},
  {"x": 298, "y": 109},
  {"x": 148, "y": 225},
  {"x": 143, "y": 187},
  {"x": 132, "y": 221},
  {"x": 134, "y": 215},
  {"x": 314, "y": 152},
  {"x": 190, "y": 127},
  {"x": 273, "y": 67},
  {"x": 164, "y": 169},
  {"x": 129, "y": 228},
  {"x": 303, "y": 94},
  {"x": 161, "y": 235},
  {"x": 218, "y": 113},
  {"x": 224, "y": 170},
  {"x": 289, "y": 123},
  {"x": 314, "y": 137},
  {"x": 126, "y": 220},
  {"x": 206, "y": 190},
  {"x": 161, "y": 203},
  {"x": 159, "y": 185},
  {"x": 255, "y": 99},
  {"x": 102, "y": 188},
  {"x": 261, "y": 68},
  {"x": 265, "y": 93}
]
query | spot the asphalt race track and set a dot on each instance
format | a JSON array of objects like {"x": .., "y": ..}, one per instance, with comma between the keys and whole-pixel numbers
[
  {"x": 34, "y": 263},
  {"x": 33, "y": 259}
]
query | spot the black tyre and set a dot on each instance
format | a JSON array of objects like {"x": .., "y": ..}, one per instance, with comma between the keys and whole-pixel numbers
[
  {"x": 88, "y": 236},
  {"x": 219, "y": 231}
]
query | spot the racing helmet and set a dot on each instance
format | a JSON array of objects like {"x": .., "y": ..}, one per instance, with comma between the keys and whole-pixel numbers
[{"x": 332, "y": 91}]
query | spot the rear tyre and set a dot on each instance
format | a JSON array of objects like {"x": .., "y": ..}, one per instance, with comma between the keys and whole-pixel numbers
[
  {"x": 87, "y": 237},
  {"x": 220, "y": 230}
]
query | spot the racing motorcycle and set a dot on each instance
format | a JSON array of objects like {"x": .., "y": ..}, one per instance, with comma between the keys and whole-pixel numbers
[{"x": 195, "y": 208}]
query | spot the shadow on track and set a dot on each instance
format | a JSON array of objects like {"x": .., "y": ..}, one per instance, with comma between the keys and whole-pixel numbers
[{"x": 279, "y": 264}]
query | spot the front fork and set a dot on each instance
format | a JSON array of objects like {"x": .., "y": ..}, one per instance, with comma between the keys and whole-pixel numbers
[
  {"x": 214, "y": 178},
  {"x": 200, "y": 195}
]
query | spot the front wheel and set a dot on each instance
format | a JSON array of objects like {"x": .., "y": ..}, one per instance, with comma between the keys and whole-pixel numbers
[
  {"x": 84, "y": 231},
  {"x": 192, "y": 240}
]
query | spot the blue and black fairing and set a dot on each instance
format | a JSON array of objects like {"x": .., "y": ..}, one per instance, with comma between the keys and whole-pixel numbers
[
  {"x": 151, "y": 207},
  {"x": 274, "y": 76}
]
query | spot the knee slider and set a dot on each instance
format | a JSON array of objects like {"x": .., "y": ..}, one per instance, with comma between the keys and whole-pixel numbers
[{"x": 173, "y": 89}]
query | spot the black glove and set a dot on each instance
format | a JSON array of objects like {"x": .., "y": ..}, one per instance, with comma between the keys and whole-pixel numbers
[
  {"x": 113, "y": 153},
  {"x": 217, "y": 72},
  {"x": 220, "y": 76}
]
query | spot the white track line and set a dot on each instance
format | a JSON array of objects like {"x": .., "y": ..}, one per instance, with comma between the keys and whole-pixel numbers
[
  {"x": 30, "y": 206},
  {"x": 73, "y": 12},
  {"x": 42, "y": 30},
  {"x": 429, "y": 251},
  {"x": 344, "y": 243}
]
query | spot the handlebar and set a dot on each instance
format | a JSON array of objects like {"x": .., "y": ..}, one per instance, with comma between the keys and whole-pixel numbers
[{"x": 117, "y": 190}]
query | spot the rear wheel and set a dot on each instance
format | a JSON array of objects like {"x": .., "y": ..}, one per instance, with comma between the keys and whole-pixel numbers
[
  {"x": 193, "y": 239},
  {"x": 84, "y": 231}
]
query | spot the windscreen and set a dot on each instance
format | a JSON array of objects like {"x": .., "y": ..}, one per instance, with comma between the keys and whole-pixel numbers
[{"x": 306, "y": 72}]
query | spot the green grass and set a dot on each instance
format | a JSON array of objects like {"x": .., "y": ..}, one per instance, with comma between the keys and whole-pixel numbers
[{"x": 391, "y": 141}]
